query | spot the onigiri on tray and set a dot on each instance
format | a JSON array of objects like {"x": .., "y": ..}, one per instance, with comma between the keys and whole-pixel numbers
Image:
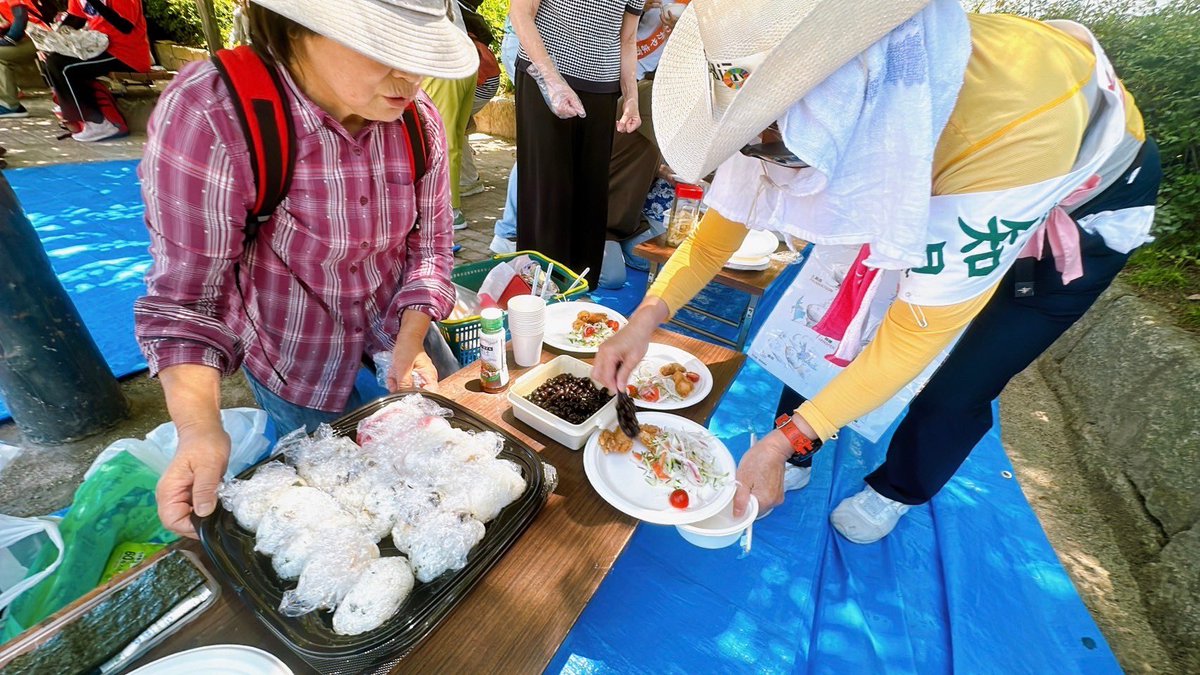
[{"x": 357, "y": 540}]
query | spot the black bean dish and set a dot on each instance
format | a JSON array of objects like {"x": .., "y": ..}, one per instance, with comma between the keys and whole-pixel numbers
[{"x": 571, "y": 398}]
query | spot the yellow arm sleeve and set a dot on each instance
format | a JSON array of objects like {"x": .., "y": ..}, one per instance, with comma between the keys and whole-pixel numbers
[
  {"x": 698, "y": 260},
  {"x": 908, "y": 340}
]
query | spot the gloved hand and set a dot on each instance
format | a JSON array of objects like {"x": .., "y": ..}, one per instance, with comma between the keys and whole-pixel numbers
[{"x": 563, "y": 100}]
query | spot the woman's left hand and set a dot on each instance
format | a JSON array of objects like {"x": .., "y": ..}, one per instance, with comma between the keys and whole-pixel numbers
[
  {"x": 405, "y": 363},
  {"x": 631, "y": 117},
  {"x": 761, "y": 473}
]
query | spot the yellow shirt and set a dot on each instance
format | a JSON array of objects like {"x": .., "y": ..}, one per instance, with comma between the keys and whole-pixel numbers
[{"x": 1020, "y": 119}]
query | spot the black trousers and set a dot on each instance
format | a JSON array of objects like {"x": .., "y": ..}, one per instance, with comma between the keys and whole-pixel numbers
[
  {"x": 72, "y": 82},
  {"x": 562, "y": 187},
  {"x": 954, "y": 410}
]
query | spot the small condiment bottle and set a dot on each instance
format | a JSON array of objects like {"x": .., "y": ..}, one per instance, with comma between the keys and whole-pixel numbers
[
  {"x": 493, "y": 359},
  {"x": 685, "y": 213}
]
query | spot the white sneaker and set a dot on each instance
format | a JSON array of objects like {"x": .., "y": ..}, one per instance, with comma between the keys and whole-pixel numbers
[
  {"x": 794, "y": 478},
  {"x": 867, "y": 517},
  {"x": 93, "y": 132},
  {"x": 500, "y": 245},
  {"x": 470, "y": 189}
]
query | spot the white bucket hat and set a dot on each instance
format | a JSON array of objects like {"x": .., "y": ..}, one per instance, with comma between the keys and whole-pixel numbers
[
  {"x": 416, "y": 36},
  {"x": 732, "y": 67}
]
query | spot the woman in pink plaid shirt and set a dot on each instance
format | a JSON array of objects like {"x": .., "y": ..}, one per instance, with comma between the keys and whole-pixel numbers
[{"x": 355, "y": 261}]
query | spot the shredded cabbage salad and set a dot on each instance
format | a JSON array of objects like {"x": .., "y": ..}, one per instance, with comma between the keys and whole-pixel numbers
[{"x": 680, "y": 459}]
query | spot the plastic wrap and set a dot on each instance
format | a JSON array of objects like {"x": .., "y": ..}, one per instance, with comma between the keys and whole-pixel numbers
[
  {"x": 438, "y": 543},
  {"x": 393, "y": 425},
  {"x": 331, "y": 571},
  {"x": 326, "y": 461},
  {"x": 482, "y": 489},
  {"x": 248, "y": 500},
  {"x": 381, "y": 589},
  {"x": 295, "y": 510}
]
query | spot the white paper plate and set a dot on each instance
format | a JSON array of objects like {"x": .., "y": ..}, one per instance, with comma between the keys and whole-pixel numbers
[
  {"x": 224, "y": 659},
  {"x": 619, "y": 481},
  {"x": 658, "y": 355},
  {"x": 749, "y": 265},
  {"x": 559, "y": 318},
  {"x": 758, "y": 244}
]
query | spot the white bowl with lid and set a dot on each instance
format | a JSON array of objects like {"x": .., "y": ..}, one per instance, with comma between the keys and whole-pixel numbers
[{"x": 720, "y": 530}]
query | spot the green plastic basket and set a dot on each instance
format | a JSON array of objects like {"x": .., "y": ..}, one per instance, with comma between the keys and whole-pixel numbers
[{"x": 463, "y": 334}]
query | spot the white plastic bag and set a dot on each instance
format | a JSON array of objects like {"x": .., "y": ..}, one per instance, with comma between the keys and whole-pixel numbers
[
  {"x": 12, "y": 570},
  {"x": 245, "y": 426}
]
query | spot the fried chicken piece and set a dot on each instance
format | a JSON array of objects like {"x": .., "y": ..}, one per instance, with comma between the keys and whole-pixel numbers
[
  {"x": 671, "y": 369},
  {"x": 683, "y": 386},
  {"x": 615, "y": 441},
  {"x": 649, "y": 435}
]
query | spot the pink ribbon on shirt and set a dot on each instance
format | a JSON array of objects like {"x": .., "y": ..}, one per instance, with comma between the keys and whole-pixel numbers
[{"x": 1062, "y": 234}]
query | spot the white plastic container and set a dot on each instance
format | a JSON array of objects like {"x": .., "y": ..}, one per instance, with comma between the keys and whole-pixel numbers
[
  {"x": 572, "y": 436},
  {"x": 720, "y": 530}
]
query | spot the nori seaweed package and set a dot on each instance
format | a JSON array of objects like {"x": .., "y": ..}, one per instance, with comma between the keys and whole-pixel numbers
[{"x": 114, "y": 506}]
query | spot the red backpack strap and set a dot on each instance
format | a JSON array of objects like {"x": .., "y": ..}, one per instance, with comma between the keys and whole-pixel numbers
[
  {"x": 414, "y": 130},
  {"x": 261, "y": 103}
]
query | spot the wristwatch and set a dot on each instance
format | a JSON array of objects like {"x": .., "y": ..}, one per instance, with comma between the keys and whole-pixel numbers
[{"x": 803, "y": 447}]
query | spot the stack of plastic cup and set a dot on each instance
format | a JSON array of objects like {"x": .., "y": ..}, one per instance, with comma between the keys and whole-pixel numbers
[{"x": 527, "y": 324}]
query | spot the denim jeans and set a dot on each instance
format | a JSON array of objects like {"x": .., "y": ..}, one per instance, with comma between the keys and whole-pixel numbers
[{"x": 287, "y": 416}]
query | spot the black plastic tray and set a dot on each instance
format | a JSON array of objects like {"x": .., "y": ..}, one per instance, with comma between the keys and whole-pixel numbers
[{"x": 311, "y": 636}]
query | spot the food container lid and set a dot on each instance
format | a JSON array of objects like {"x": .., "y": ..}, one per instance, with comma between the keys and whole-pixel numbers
[
  {"x": 685, "y": 191},
  {"x": 492, "y": 319}
]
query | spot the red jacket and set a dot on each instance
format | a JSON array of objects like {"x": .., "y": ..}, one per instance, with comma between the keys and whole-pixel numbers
[{"x": 132, "y": 48}]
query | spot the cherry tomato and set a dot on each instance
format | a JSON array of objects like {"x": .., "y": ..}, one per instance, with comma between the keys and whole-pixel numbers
[
  {"x": 693, "y": 377},
  {"x": 589, "y": 331},
  {"x": 613, "y": 325},
  {"x": 679, "y": 499},
  {"x": 649, "y": 394},
  {"x": 632, "y": 390}
]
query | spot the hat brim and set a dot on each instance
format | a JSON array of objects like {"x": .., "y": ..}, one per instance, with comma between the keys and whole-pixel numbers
[
  {"x": 695, "y": 141},
  {"x": 414, "y": 42}
]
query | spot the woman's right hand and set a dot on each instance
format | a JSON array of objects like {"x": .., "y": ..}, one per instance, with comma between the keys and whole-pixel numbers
[
  {"x": 560, "y": 97},
  {"x": 620, "y": 354},
  {"x": 190, "y": 482}
]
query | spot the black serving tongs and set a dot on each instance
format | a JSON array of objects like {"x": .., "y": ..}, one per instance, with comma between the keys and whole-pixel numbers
[{"x": 627, "y": 415}]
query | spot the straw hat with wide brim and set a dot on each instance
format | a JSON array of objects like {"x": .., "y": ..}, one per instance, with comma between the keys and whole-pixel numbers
[
  {"x": 416, "y": 36},
  {"x": 732, "y": 67}
]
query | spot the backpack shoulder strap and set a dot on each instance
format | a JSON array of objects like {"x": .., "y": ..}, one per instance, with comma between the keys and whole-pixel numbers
[
  {"x": 414, "y": 130},
  {"x": 261, "y": 103}
]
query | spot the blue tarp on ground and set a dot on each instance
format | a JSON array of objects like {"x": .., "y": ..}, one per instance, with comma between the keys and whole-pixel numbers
[
  {"x": 966, "y": 584},
  {"x": 89, "y": 217}
]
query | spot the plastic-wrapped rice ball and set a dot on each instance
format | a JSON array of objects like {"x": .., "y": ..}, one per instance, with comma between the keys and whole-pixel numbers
[
  {"x": 375, "y": 597},
  {"x": 468, "y": 447},
  {"x": 393, "y": 425},
  {"x": 327, "y": 463},
  {"x": 439, "y": 542},
  {"x": 249, "y": 499},
  {"x": 482, "y": 489},
  {"x": 374, "y": 503},
  {"x": 330, "y": 573},
  {"x": 296, "y": 509}
]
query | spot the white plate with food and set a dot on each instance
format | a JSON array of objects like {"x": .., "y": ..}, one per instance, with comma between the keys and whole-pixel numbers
[
  {"x": 668, "y": 378},
  {"x": 674, "y": 473},
  {"x": 581, "y": 327},
  {"x": 749, "y": 265}
]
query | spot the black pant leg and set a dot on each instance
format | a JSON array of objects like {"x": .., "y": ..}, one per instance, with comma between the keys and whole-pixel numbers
[
  {"x": 72, "y": 81},
  {"x": 545, "y": 188},
  {"x": 953, "y": 412},
  {"x": 588, "y": 223}
]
